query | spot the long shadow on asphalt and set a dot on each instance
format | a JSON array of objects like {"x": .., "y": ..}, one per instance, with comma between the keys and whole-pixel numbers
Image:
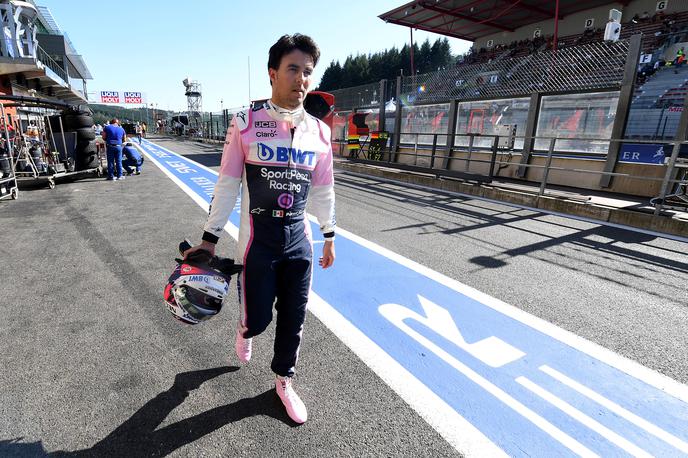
[
  {"x": 582, "y": 237},
  {"x": 138, "y": 435},
  {"x": 207, "y": 159}
]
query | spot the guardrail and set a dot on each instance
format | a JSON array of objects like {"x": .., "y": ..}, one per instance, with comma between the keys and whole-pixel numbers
[
  {"x": 676, "y": 176},
  {"x": 49, "y": 62}
]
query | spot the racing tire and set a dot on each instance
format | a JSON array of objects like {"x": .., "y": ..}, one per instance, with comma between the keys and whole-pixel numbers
[
  {"x": 86, "y": 133},
  {"x": 75, "y": 122},
  {"x": 87, "y": 161},
  {"x": 84, "y": 146}
]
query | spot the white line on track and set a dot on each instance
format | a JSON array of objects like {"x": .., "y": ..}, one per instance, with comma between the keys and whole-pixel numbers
[
  {"x": 617, "y": 409},
  {"x": 579, "y": 416}
]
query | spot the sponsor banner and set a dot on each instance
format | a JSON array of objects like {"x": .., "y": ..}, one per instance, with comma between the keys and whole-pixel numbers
[
  {"x": 122, "y": 97},
  {"x": 133, "y": 97},
  {"x": 109, "y": 96},
  {"x": 646, "y": 153}
]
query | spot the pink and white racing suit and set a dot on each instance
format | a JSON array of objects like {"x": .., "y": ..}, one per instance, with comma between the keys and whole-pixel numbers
[{"x": 281, "y": 160}]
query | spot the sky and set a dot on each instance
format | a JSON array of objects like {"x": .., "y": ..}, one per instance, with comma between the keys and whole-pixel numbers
[{"x": 150, "y": 46}]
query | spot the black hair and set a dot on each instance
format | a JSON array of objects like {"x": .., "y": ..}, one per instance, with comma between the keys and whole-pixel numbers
[{"x": 288, "y": 43}]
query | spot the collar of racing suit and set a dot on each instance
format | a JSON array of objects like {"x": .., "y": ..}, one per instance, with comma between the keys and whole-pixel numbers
[{"x": 293, "y": 117}]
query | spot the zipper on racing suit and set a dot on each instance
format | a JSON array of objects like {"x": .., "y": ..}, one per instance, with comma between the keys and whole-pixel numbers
[{"x": 289, "y": 164}]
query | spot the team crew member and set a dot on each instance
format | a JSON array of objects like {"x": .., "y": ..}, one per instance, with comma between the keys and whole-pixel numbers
[
  {"x": 133, "y": 159},
  {"x": 114, "y": 136},
  {"x": 280, "y": 156}
]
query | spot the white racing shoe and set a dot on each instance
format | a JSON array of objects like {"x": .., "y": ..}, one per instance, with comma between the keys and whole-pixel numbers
[{"x": 296, "y": 409}]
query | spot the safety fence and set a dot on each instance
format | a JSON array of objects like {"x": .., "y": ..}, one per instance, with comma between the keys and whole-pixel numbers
[
  {"x": 215, "y": 124},
  {"x": 479, "y": 158}
]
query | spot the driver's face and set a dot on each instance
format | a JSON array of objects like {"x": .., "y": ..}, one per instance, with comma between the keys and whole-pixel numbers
[{"x": 291, "y": 81}]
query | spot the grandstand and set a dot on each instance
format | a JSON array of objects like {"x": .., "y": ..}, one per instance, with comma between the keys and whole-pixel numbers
[{"x": 537, "y": 70}]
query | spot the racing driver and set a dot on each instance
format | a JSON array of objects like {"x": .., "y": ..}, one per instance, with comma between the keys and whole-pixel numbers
[{"x": 280, "y": 157}]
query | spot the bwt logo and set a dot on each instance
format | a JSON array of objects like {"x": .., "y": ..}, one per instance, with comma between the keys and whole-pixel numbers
[{"x": 282, "y": 154}]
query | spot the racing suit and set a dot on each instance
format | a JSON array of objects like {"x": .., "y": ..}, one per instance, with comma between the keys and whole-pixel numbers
[{"x": 279, "y": 158}]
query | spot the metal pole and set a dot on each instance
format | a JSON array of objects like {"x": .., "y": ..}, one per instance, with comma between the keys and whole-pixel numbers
[
  {"x": 547, "y": 165},
  {"x": 434, "y": 147},
  {"x": 64, "y": 143},
  {"x": 397, "y": 119},
  {"x": 381, "y": 114},
  {"x": 52, "y": 134},
  {"x": 471, "y": 137},
  {"x": 622, "y": 109},
  {"x": 495, "y": 145},
  {"x": 413, "y": 67},
  {"x": 451, "y": 133},
  {"x": 249, "y": 81},
  {"x": 531, "y": 127},
  {"x": 659, "y": 123},
  {"x": 415, "y": 151},
  {"x": 556, "y": 27}
]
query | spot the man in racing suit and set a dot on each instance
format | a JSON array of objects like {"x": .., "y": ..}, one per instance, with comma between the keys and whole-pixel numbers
[{"x": 281, "y": 158}]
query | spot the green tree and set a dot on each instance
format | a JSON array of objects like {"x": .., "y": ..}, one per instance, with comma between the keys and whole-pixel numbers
[{"x": 387, "y": 64}]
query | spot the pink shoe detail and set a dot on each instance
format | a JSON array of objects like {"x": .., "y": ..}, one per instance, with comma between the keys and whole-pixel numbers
[
  {"x": 243, "y": 346},
  {"x": 296, "y": 409}
]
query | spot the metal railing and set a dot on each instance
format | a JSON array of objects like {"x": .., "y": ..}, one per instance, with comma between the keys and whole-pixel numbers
[
  {"x": 427, "y": 153},
  {"x": 49, "y": 62}
]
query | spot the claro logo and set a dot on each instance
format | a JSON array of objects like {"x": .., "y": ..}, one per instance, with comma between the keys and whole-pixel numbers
[{"x": 283, "y": 154}]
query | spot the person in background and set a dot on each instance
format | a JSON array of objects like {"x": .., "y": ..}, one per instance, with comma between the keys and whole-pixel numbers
[
  {"x": 144, "y": 129},
  {"x": 132, "y": 158},
  {"x": 114, "y": 136},
  {"x": 138, "y": 130}
]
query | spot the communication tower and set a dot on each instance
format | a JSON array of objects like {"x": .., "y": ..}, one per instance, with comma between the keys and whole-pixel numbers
[{"x": 194, "y": 100}]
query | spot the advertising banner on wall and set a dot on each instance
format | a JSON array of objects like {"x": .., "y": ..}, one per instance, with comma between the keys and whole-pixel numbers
[{"x": 647, "y": 153}]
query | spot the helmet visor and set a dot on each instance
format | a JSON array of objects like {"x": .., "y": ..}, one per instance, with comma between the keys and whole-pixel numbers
[{"x": 196, "y": 303}]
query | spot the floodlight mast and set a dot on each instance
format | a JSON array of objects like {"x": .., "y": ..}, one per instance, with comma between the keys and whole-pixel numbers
[{"x": 194, "y": 102}]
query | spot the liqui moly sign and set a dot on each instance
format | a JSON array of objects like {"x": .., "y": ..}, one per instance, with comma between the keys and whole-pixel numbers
[
  {"x": 133, "y": 97},
  {"x": 121, "y": 97},
  {"x": 109, "y": 96}
]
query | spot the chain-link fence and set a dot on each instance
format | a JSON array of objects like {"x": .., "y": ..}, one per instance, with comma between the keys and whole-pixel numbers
[
  {"x": 593, "y": 66},
  {"x": 364, "y": 96}
]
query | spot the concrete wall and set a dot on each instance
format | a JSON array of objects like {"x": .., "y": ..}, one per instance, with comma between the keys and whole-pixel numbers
[
  {"x": 575, "y": 23},
  {"x": 479, "y": 164}
]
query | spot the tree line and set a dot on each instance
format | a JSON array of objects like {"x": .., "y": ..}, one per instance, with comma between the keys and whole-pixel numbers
[
  {"x": 102, "y": 114},
  {"x": 387, "y": 64}
]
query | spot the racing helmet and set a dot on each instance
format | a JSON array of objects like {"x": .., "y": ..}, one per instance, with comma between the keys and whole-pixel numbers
[
  {"x": 198, "y": 285},
  {"x": 195, "y": 293}
]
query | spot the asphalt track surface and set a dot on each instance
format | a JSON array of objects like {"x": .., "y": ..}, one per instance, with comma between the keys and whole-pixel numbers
[{"x": 93, "y": 365}]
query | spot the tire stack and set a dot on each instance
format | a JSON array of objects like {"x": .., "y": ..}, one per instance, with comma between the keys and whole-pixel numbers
[
  {"x": 5, "y": 165},
  {"x": 80, "y": 120}
]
